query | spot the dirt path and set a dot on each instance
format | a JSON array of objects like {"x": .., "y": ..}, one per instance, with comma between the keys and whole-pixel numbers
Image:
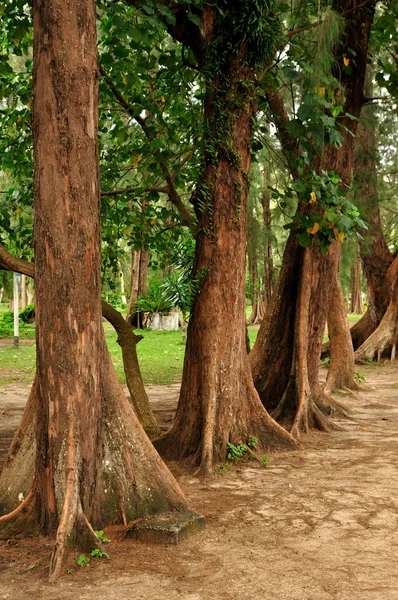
[{"x": 316, "y": 524}]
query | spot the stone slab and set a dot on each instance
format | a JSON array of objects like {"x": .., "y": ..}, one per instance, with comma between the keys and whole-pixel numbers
[{"x": 168, "y": 528}]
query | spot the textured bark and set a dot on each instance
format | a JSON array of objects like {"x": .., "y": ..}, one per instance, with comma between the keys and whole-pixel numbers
[
  {"x": 218, "y": 403},
  {"x": 375, "y": 256},
  {"x": 383, "y": 341},
  {"x": 274, "y": 366},
  {"x": 93, "y": 464},
  {"x": 297, "y": 409},
  {"x": 341, "y": 374},
  {"x": 128, "y": 342}
]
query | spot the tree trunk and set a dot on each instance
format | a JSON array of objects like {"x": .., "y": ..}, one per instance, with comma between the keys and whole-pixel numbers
[
  {"x": 277, "y": 372},
  {"x": 139, "y": 277},
  {"x": 128, "y": 342},
  {"x": 218, "y": 403},
  {"x": 383, "y": 341},
  {"x": 375, "y": 255},
  {"x": 341, "y": 373},
  {"x": 268, "y": 255},
  {"x": 94, "y": 464},
  {"x": 356, "y": 306},
  {"x": 257, "y": 313}
]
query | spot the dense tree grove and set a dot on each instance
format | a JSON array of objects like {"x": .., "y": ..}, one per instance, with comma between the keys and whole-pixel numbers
[{"x": 232, "y": 147}]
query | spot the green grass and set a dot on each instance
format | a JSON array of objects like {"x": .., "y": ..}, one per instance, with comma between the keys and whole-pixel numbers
[{"x": 160, "y": 354}]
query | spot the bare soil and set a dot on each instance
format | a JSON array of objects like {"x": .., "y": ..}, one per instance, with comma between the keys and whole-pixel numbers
[{"x": 316, "y": 524}]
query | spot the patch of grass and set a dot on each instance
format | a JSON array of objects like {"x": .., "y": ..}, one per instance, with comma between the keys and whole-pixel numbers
[
  {"x": 354, "y": 318},
  {"x": 160, "y": 354}
]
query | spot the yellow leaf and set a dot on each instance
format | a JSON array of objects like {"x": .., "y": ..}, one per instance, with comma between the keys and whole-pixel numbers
[
  {"x": 339, "y": 235},
  {"x": 17, "y": 212},
  {"x": 321, "y": 91},
  {"x": 127, "y": 230},
  {"x": 314, "y": 229},
  {"x": 135, "y": 160},
  {"x": 312, "y": 197},
  {"x": 161, "y": 103},
  {"x": 124, "y": 80},
  {"x": 346, "y": 61},
  {"x": 153, "y": 220}
]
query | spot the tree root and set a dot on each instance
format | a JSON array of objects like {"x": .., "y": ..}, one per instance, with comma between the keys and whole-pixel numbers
[
  {"x": 23, "y": 518},
  {"x": 73, "y": 531}
]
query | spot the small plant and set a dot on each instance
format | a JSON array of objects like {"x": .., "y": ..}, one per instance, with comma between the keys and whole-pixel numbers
[
  {"x": 100, "y": 534},
  {"x": 70, "y": 571},
  {"x": 83, "y": 561},
  {"x": 359, "y": 377},
  {"x": 222, "y": 469},
  {"x": 265, "y": 460},
  {"x": 252, "y": 442},
  {"x": 97, "y": 553},
  {"x": 236, "y": 452}
]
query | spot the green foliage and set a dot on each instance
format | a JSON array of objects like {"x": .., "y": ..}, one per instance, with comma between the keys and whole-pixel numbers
[
  {"x": 27, "y": 315},
  {"x": 254, "y": 23},
  {"x": 236, "y": 453},
  {"x": 83, "y": 561},
  {"x": 155, "y": 301},
  {"x": 101, "y": 535},
  {"x": 252, "y": 442},
  {"x": 7, "y": 327},
  {"x": 333, "y": 216},
  {"x": 222, "y": 469},
  {"x": 97, "y": 553},
  {"x": 359, "y": 377},
  {"x": 265, "y": 460}
]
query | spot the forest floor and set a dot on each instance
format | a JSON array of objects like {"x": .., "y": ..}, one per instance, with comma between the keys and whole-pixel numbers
[{"x": 319, "y": 523}]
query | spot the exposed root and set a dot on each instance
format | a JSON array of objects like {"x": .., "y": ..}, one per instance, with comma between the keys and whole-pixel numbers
[
  {"x": 74, "y": 530},
  {"x": 23, "y": 518}
]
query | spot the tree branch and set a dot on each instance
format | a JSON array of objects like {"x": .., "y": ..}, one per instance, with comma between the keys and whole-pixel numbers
[
  {"x": 389, "y": 208},
  {"x": 171, "y": 190},
  {"x": 290, "y": 146},
  {"x": 130, "y": 190},
  {"x": 19, "y": 265}
]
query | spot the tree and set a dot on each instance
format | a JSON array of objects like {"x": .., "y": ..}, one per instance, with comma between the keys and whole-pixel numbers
[
  {"x": 291, "y": 391},
  {"x": 94, "y": 464},
  {"x": 218, "y": 403}
]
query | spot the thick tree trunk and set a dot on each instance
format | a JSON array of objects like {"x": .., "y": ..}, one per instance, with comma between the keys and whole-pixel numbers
[
  {"x": 375, "y": 255},
  {"x": 94, "y": 464},
  {"x": 297, "y": 409},
  {"x": 274, "y": 367},
  {"x": 218, "y": 403},
  {"x": 383, "y": 341},
  {"x": 341, "y": 374}
]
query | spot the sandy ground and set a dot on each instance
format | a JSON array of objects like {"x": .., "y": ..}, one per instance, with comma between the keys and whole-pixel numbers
[{"x": 316, "y": 524}]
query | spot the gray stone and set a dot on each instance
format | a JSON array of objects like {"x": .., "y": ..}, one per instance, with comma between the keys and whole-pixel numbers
[{"x": 168, "y": 528}]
